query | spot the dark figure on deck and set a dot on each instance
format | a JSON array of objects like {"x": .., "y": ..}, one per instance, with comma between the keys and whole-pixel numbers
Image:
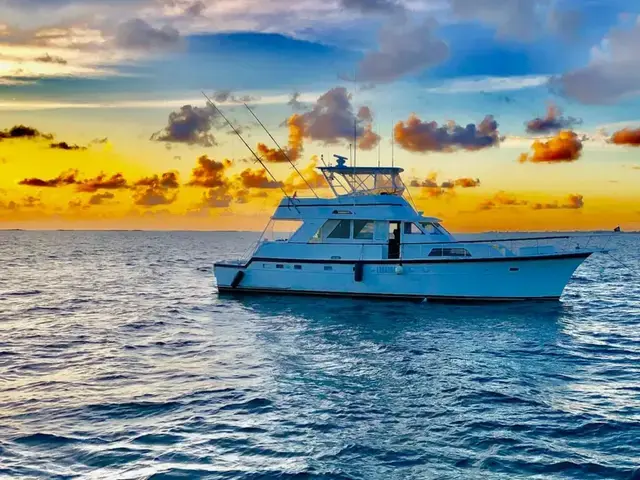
[{"x": 394, "y": 244}]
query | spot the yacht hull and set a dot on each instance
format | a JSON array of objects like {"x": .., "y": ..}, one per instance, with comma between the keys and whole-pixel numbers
[{"x": 477, "y": 279}]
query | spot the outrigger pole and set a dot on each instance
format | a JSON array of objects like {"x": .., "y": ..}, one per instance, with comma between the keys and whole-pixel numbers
[
  {"x": 282, "y": 151},
  {"x": 247, "y": 145}
]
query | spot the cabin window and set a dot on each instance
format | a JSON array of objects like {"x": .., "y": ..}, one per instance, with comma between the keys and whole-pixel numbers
[
  {"x": 412, "y": 229},
  {"x": 431, "y": 228},
  {"x": 363, "y": 229},
  {"x": 449, "y": 252},
  {"x": 341, "y": 230}
]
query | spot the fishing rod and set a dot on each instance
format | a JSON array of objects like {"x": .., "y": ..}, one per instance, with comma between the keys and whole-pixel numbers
[
  {"x": 282, "y": 151},
  {"x": 247, "y": 145}
]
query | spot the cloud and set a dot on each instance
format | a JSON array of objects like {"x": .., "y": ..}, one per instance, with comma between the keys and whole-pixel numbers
[
  {"x": 22, "y": 131},
  {"x": 196, "y": 9},
  {"x": 501, "y": 198},
  {"x": 11, "y": 205},
  {"x": 403, "y": 49},
  {"x": 566, "y": 146},
  {"x": 218, "y": 197},
  {"x": 573, "y": 202},
  {"x": 369, "y": 139},
  {"x": 627, "y": 136},
  {"x": 100, "y": 141},
  {"x": 20, "y": 105},
  {"x": 294, "y": 148},
  {"x": 224, "y": 96},
  {"x": 99, "y": 198},
  {"x": 46, "y": 58},
  {"x": 66, "y": 146},
  {"x": 552, "y": 122},
  {"x": 415, "y": 135},
  {"x": 209, "y": 173},
  {"x": 310, "y": 174},
  {"x": 331, "y": 120},
  {"x": 372, "y": 6},
  {"x": 62, "y": 180},
  {"x": 295, "y": 103},
  {"x": 167, "y": 180},
  {"x": 137, "y": 34},
  {"x": 518, "y": 19},
  {"x": 152, "y": 197},
  {"x": 102, "y": 182},
  {"x": 613, "y": 73},
  {"x": 490, "y": 84},
  {"x": 155, "y": 190},
  {"x": 467, "y": 182},
  {"x": 257, "y": 179},
  {"x": 365, "y": 114},
  {"x": 430, "y": 187},
  {"x": 565, "y": 23},
  {"x": 31, "y": 202},
  {"x": 189, "y": 125}
]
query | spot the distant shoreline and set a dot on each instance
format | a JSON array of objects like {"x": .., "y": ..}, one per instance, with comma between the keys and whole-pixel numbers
[{"x": 493, "y": 232}]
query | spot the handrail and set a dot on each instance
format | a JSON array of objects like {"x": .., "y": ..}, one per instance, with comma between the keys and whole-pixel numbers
[
  {"x": 490, "y": 240},
  {"x": 451, "y": 242}
]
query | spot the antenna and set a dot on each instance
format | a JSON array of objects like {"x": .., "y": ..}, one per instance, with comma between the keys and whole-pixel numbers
[
  {"x": 378, "y": 132},
  {"x": 246, "y": 145},
  {"x": 392, "y": 145},
  {"x": 355, "y": 139},
  {"x": 282, "y": 151}
]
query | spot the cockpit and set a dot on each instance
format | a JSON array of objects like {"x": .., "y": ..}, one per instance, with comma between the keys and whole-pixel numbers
[{"x": 345, "y": 180}]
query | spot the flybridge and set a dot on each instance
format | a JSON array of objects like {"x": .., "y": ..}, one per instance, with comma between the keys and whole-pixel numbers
[{"x": 358, "y": 181}]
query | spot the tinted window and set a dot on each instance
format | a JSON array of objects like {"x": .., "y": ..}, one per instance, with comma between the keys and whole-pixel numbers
[
  {"x": 449, "y": 252},
  {"x": 342, "y": 230},
  {"x": 363, "y": 229},
  {"x": 412, "y": 229},
  {"x": 431, "y": 229}
]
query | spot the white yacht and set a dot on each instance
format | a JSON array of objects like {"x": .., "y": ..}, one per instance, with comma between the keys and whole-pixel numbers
[{"x": 368, "y": 241}]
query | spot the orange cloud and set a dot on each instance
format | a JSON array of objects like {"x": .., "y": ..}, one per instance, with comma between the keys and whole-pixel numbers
[
  {"x": 310, "y": 174},
  {"x": 566, "y": 146},
  {"x": 217, "y": 197},
  {"x": 62, "y": 180},
  {"x": 295, "y": 144},
  {"x": 209, "y": 173},
  {"x": 102, "y": 182},
  {"x": 627, "y": 136},
  {"x": 431, "y": 188},
  {"x": 257, "y": 179},
  {"x": 501, "y": 198},
  {"x": 99, "y": 198},
  {"x": 369, "y": 139},
  {"x": 573, "y": 202},
  {"x": 167, "y": 180},
  {"x": 467, "y": 182}
]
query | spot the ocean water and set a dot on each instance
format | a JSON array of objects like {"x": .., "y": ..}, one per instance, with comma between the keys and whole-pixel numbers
[{"x": 119, "y": 361}]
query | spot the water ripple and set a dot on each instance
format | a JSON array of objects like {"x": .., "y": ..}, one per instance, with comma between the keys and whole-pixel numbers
[{"x": 117, "y": 360}]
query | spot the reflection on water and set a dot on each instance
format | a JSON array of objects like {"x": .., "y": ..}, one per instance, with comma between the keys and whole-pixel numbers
[{"x": 118, "y": 360}]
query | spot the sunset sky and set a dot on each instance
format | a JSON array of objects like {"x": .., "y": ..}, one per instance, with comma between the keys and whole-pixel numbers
[{"x": 505, "y": 114}]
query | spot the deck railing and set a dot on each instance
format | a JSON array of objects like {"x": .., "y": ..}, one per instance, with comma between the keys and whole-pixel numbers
[{"x": 541, "y": 245}]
